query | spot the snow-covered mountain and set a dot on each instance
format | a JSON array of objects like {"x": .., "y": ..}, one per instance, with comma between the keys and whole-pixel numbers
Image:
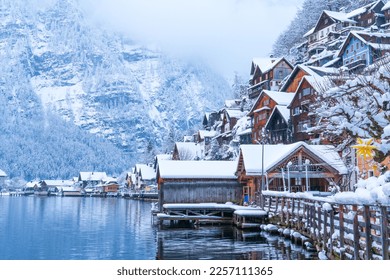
[{"x": 137, "y": 97}]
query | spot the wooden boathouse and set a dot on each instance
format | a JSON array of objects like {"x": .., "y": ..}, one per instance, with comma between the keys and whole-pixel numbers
[{"x": 181, "y": 181}]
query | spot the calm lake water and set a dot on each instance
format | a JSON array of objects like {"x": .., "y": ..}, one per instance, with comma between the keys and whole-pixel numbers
[{"x": 72, "y": 228}]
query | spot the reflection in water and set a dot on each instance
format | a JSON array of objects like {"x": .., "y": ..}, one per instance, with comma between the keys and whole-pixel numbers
[
  {"x": 225, "y": 243},
  {"x": 75, "y": 228},
  {"x": 66, "y": 228}
]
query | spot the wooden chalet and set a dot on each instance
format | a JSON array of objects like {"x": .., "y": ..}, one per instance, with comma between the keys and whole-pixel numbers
[
  {"x": 46, "y": 187},
  {"x": 111, "y": 186},
  {"x": 333, "y": 26},
  {"x": 197, "y": 182},
  {"x": 329, "y": 26},
  {"x": 230, "y": 118},
  {"x": 386, "y": 12},
  {"x": 267, "y": 74},
  {"x": 262, "y": 109},
  {"x": 369, "y": 15},
  {"x": 301, "y": 116},
  {"x": 278, "y": 126},
  {"x": 361, "y": 49},
  {"x": 293, "y": 167},
  {"x": 294, "y": 79}
]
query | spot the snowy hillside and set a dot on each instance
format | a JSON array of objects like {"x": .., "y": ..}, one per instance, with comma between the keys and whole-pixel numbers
[{"x": 138, "y": 98}]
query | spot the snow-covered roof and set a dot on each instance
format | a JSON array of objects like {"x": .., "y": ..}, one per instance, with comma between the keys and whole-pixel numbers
[
  {"x": 207, "y": 133},
  {"x": 92, "y": 176},
  {"x": 284, "y": 112},
  {"x": 266, "y": 63},
  {"x": 339, "y": 16},
  {"x": 386, "y": 6},
  {"x": 163, "y": 157},
  {"x": 243, "y": 126},
  {"x": 59, "y": 183},
  {"x": 232, "y": 103},
  {"x": 235, "y": 113},
  {"x": 319, "y": 84},
  {"x": 282, "y": 98},
  {"x": 2, "y": 173},
  {"x": 182, "y": 169},
  {"x": 308, "y": 33},
  {"x": 145, "y": 171},
  {"x": 360, "y": 36},
  {"x": 189, "y": 150},
  {"x": 363, "y": 9},
  {"x": 273, "y": 154}
]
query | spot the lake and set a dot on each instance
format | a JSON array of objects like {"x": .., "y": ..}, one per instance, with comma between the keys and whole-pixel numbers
[{"x": 94, "y": 228}]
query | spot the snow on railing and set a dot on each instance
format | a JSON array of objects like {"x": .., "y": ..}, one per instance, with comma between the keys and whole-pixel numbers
[{"x": 343, "y": 230}]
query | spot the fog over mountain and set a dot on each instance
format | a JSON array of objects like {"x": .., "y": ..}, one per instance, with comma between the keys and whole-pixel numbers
[{"x": 75, "y": 97}]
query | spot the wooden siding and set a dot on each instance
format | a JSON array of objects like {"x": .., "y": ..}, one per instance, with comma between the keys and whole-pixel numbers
[
  {"x": 303, "y": 103},
  {"x": 200, "y": 191},
  {"x": 292, "y": 87}
]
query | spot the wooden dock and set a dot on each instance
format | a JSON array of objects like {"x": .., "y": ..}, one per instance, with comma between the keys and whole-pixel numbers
[
  {"x": 342, "y": 231},
  {"x": 197, "y": 213}
]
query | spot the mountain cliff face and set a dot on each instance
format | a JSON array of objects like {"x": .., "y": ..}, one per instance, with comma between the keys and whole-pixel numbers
[{"x": 55, "y": 62}]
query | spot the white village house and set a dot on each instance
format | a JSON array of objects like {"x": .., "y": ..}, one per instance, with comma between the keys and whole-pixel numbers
[{"x": 2, "y": 178}]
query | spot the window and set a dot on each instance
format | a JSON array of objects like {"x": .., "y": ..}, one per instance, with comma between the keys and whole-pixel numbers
[
  {"x": 303, "y": 126},
  {"x": 369, "y": 20},
  {"x": 306, "y": 91},
  {"x": 386, "y": 105},
  {"x": 266, "y": 102},
  {"x": 296, "y": 111}
]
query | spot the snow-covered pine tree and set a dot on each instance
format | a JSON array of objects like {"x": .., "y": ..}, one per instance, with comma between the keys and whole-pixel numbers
[
  {"x": 359, "y": 107},
  {"x": 305, "y": 19}
]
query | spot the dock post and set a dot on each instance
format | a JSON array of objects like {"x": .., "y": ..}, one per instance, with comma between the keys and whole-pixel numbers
[
  {"x": 368, "y": 232},
  {"x": 341, "y": 230},
  {"x": 385, "y": 233},
  {"x": 356, "y": 234}
]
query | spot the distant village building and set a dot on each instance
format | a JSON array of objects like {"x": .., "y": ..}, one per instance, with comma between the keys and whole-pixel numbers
[
  {"x": 145, "y": 176},
  {"x": 267, "y": 74},
  {"x": 361, "y": 49},
  {"x": 262, "y": 109},
  {"x": 3, "y": 175},
  {"x": 91, "y": 178}
]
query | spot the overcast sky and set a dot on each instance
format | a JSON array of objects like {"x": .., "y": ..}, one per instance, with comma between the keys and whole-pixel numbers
[{"x": 227, "y": 34}]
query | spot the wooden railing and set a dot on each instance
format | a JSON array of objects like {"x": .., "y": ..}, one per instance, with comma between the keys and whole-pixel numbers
[{"x": 343, "y": 231}]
